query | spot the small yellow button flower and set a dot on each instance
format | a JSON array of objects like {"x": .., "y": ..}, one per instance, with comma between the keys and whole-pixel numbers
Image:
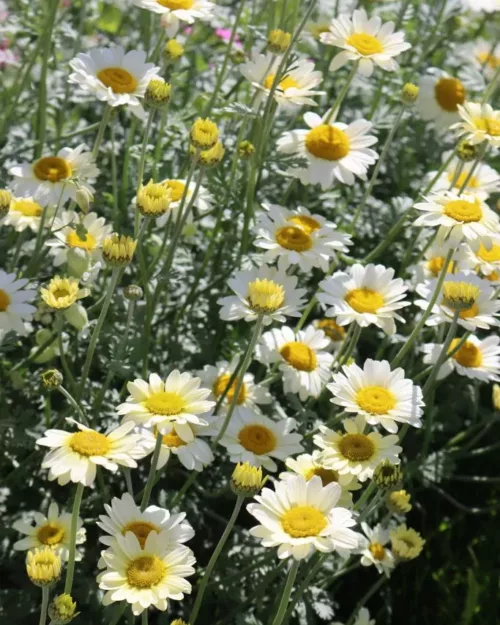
[
  {"x": 204, "y": 134},
  {"x": 118, "y": 249},
  {"x": 278, "y": 41},
  {"x": 43, "y": 566}
]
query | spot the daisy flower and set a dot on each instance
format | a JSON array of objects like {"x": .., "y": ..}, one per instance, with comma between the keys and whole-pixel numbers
[
  {"x": 482, "y": 314},
  {"x": 217, "y": 378},
  {"x": 434, "y": 259},
  {"x": 309, "y": 465},
  {"x": 262, "y": 291},
  {"x": 124, "y": 515},
  {"x": 485, "y": 57},
  {"x": 24, "y": 213},
  {"x": 459, "y": 217},
  {"x": 373, "y": 550},
  {"x": 439, "y": 97},
  {"x": 362, "y": 618},
  {"x": 383, "y": 397},
  {"x": 53, "y": 530},
  {"x": 406, "y": 543},
  {"x": 367, "y": 41},
  {"x": 298, "y": 239},
  {"x": 14, "y": 306},
  {"x": 56, "y": 179},
  {"x": 484, "y": 256},
  {"x": 175, "y": 11},
  {"x": 476, "y": 359},
  {"x": 296, "y": 87},
  {"x": 480, "y": 122},
  {"x": 333, "y": 151},
  {"x": 194, "y": 454},
  {"x": 301, "y": 517},
  {"x": 113, "y": 75},
  {"x": 147, "y": 576},
  {"x": 365, "y": 295},
  {"x": 302, "y": 358},
  {"x": 74, "y": 456},
  {"x": 333, "y": 331},
  {"x": 251, "y": 437},
  {"x": 178, "y": 401},
  {"x": 78, "y": 241},
  {"x": 483, "y": 182},
  {"x": 354, "y": 452},
  {"x": 203, "y": 201}
]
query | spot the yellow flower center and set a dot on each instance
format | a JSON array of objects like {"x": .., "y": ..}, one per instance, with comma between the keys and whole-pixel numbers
[
  {"x": 473, "y": 311},
  {"x": 491, "y": 255},
  {"x": 377, "y": 551},
  {"x": 176, "y": 189},
  {"x": 146, "y": 572},
  {"x": 303, "y": 521},
  {"x": 375, "y": 399},
  {"x": 364, "y": 43},
  {"x": 52, "y": 169},
  {"x": 332, "y": 329},
  {"x": 4, "y": 300},
  {"x": 220, "y": 386},
  {"x": 175, "y": 5},
  {"x": 486, "y": 58},
  {"x": 89, "y": 443},
  {"x": 327, "y": 475},
  {"x": 88, "y": 243},
  {"x": 27, "y": 208},
  {"x": 141, "y": 529},
  {"x": 488, "y": 124},
  {"x": 265, "y": 296},
  {"x": 287, "y": 83},
  {"x": 469, "y": 355},
  {"x": 364, "y": 300},
  {"x": 473, "y": 182},
  {"x": 463, "y": 211},
  {"x": 449, "y": 93},
  {"x": 356, "y": 447},
  {"x": 50, "y": 534},
  {"x": 308, "y": 224},
  {"x": 258, "y": 439},
  {"x": 165, "y": 403},
  {"x": 493, "y": 276},
  {"x": 299, "y": 355},
  {"x": 435, "y": 265},
  {"x": 327, "y": 142},
  {"x": 61, "y": 293},
  {"x": 119, "y": 80},
  {"x": 172, "y": 439},
  {"x": 293, "y": 238}
]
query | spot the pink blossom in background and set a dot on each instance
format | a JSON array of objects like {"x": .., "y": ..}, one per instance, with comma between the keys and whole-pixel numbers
[
  {"x": 7, "y": 57},
  {"x": 225, "y": 35}
]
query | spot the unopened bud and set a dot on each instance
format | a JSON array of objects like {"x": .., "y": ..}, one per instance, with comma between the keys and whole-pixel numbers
[
  {"x": 173, "y": 50},
  {"x": 84, "y": 198},
  {"x": 5, "y": 200},
  {"x": 62, "y": 609},
  {"x": 133, "y": 292},
  {"x": 278, "y": 41},
  {"x": 245, "y": 149},
  {"x": 157, "y": 94},
  {"x": 409, "y": 93},
  {"x": 466, "y": 151},
  {"x": 387, "y": 475},
  {"x": 246, "y": 480},
  {"x": 52, "y": 378}
]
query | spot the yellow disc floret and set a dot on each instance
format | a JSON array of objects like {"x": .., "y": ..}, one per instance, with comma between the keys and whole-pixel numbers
[
  {"x": 165, "y": 403},
  {"x": 145, "y": 572},
  {"x": 220, "y": 385},
  {"x": 89, "y": 443},
  {"x": 294, "y": 238},
  {"x": 356, "y": 447},
  {"x": 449, "y": 93},
  {"x": 141, "y": 529},
  {"x": 117, "y": 79},
  {"x": 299, "y": 355},
  {"x": 303, "y": 521},
  {"x": 460, "y": 296},
  {"x": 468, "y": 354},
  {"x": 365, "y": 44},
  {"x": 258, "y": 439},
  {"x": 364, "y": 300},
  {"x": 52, "y": 169},
  {"x": 204, "y": 134},
  {"x": 61, "y": 293},
  {"x": 375, "y": 399},
  {"x": 43, "y": 566},
  {"x": 265, "y": 296},
  {"x": 327, "y": 142},
  {"x": 153, "y": 200}
]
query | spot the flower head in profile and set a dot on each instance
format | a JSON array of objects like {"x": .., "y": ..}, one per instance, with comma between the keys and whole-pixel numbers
[
  {"x": 15, "y": 306},
  {"x": 43, "y": 566},
  {"x": 440, "y": 96},
  {"x": 247, "y": 480},
  {"x": 203, "y": 200},
  {"x": 374, "y": 550},
  {"x": 74, "y": 456},
  {"x": 333, "y": 151},
  {"x": 62, "y": 293},
  {"x": 484, "y": 257},
  {"x": 265, "y": 291},
  {"x": 366, "y": 41},
  {"x": 24, "y": 213},
  {"x": 118, "y": 250},
  {"x": 480, "y": 179},
  {"x": 480, "y": 122},
  {"x": 301, "y": 517},
  {"x": 173, "y": 12},
  {"x": 398, "y": 501},
  {"x": 366, "y": 295},
  {"x": 407, "y": 544},
  {"x": 194, "y": 453}
]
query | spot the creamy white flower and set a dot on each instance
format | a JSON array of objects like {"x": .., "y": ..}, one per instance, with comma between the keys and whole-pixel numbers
[
  {"x": 24, "y": 213},
  {"x": 483, "y": 182},
  {"x": 439, "y": 97},
  {"x": 482, "y": 314},
  {"x": 113, "y": 75},
  {"x": 14, "y": 307},
  {"x": 194, "y": 454},
  {"x": 354, "y": 452},
  {"x": 365, "y": 295},
  {"x": 458, "y": 217},
  {"x": 383, "y": 397},
  {"x": 254, "y": 438},
  {"x": 124, "y": 515},
  {"x": 203, "y": 200},
  {"x": 434, "y": 258},
  {"x": 301, "y": 517},
  {"x": 176, "y": 402},
  {"x": 53, "y": 530},
  {"x": 302, "y": 358},
  {"x": 480, "y": 122},
  {"x": 309, "y": 465},
  {"x": 262, "y": 291},
  {"x": 175, "y": 11},
  {"x": 217, "y": 378},
  {"x": 367, "y": 41},
  {"x": 484, "y": 256},
  {"x": 333, "y": 150},
  {"x": 476, "y": 359},
  {"x": 333, "y": 331},
  {"x": 484, "y": 55},
  {"x": 296, "y": 87},
  {"x": 75, "y": 455},
  {"x": 373, "y": 550},
  {"x": 146, "y": 576},
  {"x": 298, "y": 238},
  {"x": 56, "y": 179}
]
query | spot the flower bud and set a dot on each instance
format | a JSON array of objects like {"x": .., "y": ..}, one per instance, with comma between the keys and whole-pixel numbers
[
  {"x": 466, "y": 151},
  {"x": 460, "y": 296},
  {"x": 153, "y": 200},
  {"x": 245, "y": 149},
  {"x": 118, "y": 250},
  {"x": 406, "y": 543},
  {"x": 246, "y": 480},
  {"x": 173, "y": 50},
  {"x": 409, "y": 93},
  {"x": 157, "y": 94},
  {"x": 52, "y": 378},
  {"x": 398, "y": 501},
  {"x": 278, "y": 41},
  {"x": 84, "y": 197},
  {"x": 204, "y": 134},
  {"x": 496, "y": 396},
  {"x": 387, "y": 475},
  {"x": 238, "y": 56},
  {"x": 133, "y": 292},
  {"x": 62, "y": 609},
  {"x": 43, "y": 566},
  {"x": 212, "y": 157},
  {"x": 5, "y": 201}
]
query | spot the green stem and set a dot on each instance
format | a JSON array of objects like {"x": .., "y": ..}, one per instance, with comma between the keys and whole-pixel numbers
[
  {"x": 152, "y": 472},
  {"x": 142, "y": 162},
  {"x": 442, "y": 355},
  {"x": 73, "y": 402},
  {"x": 342, "y": 359},
  {"x": 332, "y": 113},
  {"x": 60, "y": 344},
  {"x": 72, "y": 538},
  {"x": 305, "y": 583},
  {"x": 365, "y": 496},
  {"x": 491, "y": 88},
  {"x": 287, "y": 591},
  {"x": 381, "y": 580},
  {"x": 100, "y": 133},
  {"x": 45, "y": 605},
  {"x": 144, "y": 617},
  {"x": 213, "y": 560}
]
